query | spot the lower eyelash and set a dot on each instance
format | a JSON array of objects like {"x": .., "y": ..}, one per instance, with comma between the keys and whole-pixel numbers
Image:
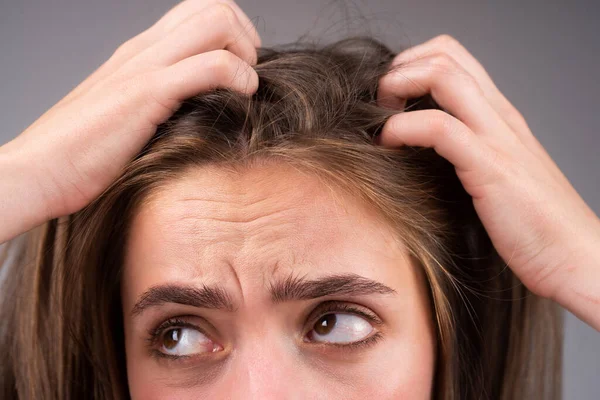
[
  {"x": 159, "y": 355},
  {"x": 361, "y": 344}
]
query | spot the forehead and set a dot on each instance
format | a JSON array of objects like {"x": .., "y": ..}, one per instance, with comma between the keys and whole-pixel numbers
[{"x": 212, "y": 225}]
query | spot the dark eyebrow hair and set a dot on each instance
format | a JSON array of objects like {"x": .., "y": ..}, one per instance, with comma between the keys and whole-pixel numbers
[
  {"x": 299, "y": 288},
  {"x": 288, "y": 289},
  {"x": 203, "y": 297}
]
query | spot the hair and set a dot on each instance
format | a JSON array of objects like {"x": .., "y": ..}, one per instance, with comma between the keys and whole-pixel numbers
[{"x": 315, "y": 109}]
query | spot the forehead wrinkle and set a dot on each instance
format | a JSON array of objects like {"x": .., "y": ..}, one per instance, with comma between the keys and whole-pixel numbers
[
  {"x": 236, "y": 205},
  {"x": 239, "y": 218},
  {"x": 264, "y": 198},
  {"x": 236, "y": 240},
  {"x": 197, "y": 236}
]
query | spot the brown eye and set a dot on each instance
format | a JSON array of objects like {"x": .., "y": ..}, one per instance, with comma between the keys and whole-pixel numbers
[
  {"x": 325, "y": 324},
  {"x": 185, "y": 341},
  {"x": 171, "y": 338},
  {"x": 340, "y": 328}
]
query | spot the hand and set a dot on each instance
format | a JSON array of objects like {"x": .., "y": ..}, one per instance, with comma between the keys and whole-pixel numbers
[
  {"x": 537, "y": 222},
  {"x": 78, "y": 147}
]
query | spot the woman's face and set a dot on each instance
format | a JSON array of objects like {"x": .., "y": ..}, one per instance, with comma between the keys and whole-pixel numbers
[{"x": 267, "y": 285}]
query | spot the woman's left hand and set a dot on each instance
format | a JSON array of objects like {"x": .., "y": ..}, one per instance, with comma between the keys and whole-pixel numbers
[{"x": 538, "y": 223}]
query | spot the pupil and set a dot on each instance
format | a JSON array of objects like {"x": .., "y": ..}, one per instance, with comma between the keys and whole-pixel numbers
[
  {"x": 325, "y": 324},
  {"x": 171, "y": 338}
]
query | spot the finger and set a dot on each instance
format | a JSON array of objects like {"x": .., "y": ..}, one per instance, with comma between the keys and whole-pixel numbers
[
  {"x": 186, "y": 8},
  {"x": 504, "y": 108},
  {"x": 175, "y": 17},
  {"x": 451, "y": 46},
  {"x": 448, "y": 136},
  {"x": 192, "y": 37},
  {"x": 163, "y": 26},
  {"x": 200, "y": 73},
  {"x": 452, "y": 88}
]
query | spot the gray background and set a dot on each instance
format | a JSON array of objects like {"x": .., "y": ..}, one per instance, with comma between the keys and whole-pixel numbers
[{"x": 543, "y": 55}]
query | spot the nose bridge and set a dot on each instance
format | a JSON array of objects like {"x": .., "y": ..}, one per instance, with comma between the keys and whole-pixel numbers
[{"x": 265, "y": 367}]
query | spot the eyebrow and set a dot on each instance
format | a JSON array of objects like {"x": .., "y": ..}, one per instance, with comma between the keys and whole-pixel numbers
[
  {"x": 204, "y": 297},
  {"x": 289, "y": 289},
  {"x": 299, "y": 288}
]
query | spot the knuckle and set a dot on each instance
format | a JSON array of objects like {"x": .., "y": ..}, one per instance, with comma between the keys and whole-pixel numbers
[
  {"x": 222, "y": 62},
  {"x": 443, "y": 60},
  {"x": 447, "y": 41},
  {"x": 225, "y": 13},
  {"x": 187, "y": 9},
  {"x": 227, "y": 3},
  {"x": 160, "y": 102},
  {"x": 446, "y": 64},
  {"x": 518, "y": 116},
  {"x": 442, "y": 122},
  {"x": 449, "y": 44},
  {"x": 449, "y": 128},
  {"x": 469, "y": 81},
  {"x": 123, "y": 49},
  {"x": 222, "y": 19},
  {"x": 133, "y": 45}
]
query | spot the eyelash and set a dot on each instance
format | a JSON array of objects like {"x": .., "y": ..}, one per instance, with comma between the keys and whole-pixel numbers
[
  {"x": 333, "y": 306},
  {"x": 327, "y": 307},
  {"x": 156, "y": 333}
]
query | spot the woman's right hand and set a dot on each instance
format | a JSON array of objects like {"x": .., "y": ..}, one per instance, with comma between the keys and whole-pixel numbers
[{"x": 75, "y": 150}]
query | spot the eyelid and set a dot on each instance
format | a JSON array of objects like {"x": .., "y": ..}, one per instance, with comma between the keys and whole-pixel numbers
[
  {"x": 337, "y": 306},
  {"x": 155, "y": 334},
  {"x": 323, "y": 308}
]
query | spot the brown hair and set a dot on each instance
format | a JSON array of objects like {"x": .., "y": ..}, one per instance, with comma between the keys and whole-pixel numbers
[{"x": 315, "y": 108}]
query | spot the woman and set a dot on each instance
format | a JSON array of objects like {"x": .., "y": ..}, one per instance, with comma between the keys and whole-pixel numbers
[{"x": 207, "y": 222}]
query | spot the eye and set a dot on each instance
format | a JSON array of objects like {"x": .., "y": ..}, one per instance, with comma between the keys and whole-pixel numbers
[
  {"x": 185, "y": 341},
  {"x": 340, "y": 328}
]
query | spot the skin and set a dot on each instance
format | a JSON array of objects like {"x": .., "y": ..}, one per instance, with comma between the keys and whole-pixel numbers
[
  {"x": 195, "y": 47},
  {"x": 537, "y": 221},
  {"x": 244, "y": 233},
  {"x": 539, "y": 224}
]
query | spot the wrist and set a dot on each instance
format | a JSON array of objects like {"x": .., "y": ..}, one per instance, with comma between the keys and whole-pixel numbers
[
  {"x": 22, "y": 205},
  {"x": 579, "y": 291}
]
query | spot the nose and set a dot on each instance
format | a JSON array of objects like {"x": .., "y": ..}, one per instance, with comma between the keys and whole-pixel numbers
[{"x": 267, "y": 369}]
